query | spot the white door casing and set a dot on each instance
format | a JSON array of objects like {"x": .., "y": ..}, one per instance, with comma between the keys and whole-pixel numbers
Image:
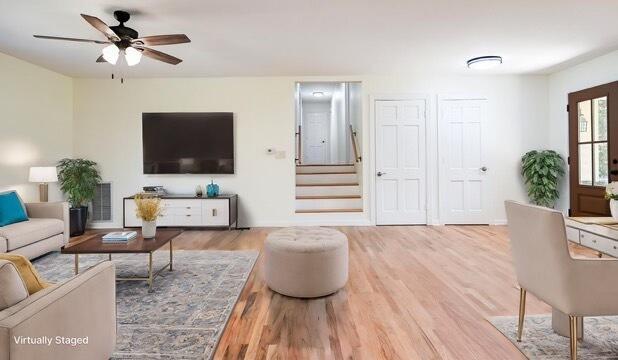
[
  {"x": 464, "y": 172},
  {"x": 401, "y": 156},
  {"x": 315, "y": 138}
]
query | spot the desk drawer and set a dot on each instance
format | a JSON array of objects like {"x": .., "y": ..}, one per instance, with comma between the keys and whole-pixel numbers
[
  {"x": 595, "y": 242},
  {"x": 572, "y": 234},
  {"x": 612, "y": 248}
]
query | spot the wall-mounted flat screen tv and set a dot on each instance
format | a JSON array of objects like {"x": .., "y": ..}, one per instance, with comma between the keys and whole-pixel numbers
[{"x": 188, "y": 143}]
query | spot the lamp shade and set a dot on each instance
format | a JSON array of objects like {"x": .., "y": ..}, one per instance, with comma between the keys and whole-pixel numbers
[{"x": 43, "y": 174}]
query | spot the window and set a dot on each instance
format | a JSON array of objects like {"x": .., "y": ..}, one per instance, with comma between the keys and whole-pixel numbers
[{"x": 592, "y": 142}]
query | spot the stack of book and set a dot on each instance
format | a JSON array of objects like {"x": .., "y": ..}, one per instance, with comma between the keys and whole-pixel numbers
[{"x": 119, "y": 237}]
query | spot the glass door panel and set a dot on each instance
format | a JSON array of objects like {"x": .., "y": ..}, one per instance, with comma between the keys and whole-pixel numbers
[{"x": 592, "y": 142}]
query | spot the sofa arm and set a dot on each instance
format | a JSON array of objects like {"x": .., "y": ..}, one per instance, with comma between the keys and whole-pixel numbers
[
  {"x": 78, "y": 317},
  {"x": 51, "y": 210}
]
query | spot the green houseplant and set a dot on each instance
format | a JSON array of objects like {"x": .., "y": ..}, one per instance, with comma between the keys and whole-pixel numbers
[
  {"x": 542, "y": 170},
  {"x": 78, "y": 179}
]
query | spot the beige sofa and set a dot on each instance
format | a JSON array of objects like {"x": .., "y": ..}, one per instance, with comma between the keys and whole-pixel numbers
[
  {"x": 47, "y": 229},
  {"x": 77, "y": 318}
]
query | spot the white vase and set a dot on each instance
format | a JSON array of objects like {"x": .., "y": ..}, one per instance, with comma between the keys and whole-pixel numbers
[
  {"x": 613, "y": 208},
  {"x": 149, "y": 229}
]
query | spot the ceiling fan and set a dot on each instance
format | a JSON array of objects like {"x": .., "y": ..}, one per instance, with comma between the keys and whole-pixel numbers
[{"x": 124, "y": 39}]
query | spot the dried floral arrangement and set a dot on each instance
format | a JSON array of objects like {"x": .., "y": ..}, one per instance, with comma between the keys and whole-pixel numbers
[{"x": 148, "y": 208}]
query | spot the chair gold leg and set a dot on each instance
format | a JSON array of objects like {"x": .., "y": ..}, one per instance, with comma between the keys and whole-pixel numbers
[
  {"x": 522, "y": 312},
  {"x": 573, "y": 335}
]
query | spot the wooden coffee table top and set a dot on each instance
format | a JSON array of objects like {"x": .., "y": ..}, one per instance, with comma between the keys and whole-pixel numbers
[{"x": 95, "y": 245}]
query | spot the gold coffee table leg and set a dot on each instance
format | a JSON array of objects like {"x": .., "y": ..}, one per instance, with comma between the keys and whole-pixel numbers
[
  {"x": 171, "y": 256},
  {"x": 76, "y": 268},
  {"x": 150, "y": 271}
]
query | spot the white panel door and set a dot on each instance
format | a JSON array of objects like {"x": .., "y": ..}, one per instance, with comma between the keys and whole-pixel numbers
[
  {"x": 315, "y": 147},
  {"x": 464, "y": 181},
  {"x": 401, "y": 162}
]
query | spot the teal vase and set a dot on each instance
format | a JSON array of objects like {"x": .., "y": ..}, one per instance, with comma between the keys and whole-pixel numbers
[{"x": 212, "y": 189}]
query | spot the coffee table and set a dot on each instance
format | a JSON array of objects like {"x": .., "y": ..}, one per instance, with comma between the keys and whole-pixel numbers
[{"x": 139, "y": 245}]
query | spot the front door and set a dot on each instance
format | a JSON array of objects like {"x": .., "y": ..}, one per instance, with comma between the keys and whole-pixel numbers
[
  {"x": 593, "y": 148},
  {"x": 401, "y": 162},
  {"x": 464, "y": 172},
  {"x": 315, "y": 140}
]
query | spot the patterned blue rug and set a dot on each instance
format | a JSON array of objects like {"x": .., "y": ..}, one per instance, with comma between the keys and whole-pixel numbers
[
  {"x": 539, "y": 341},
  {"x": 185, "y": 314}
]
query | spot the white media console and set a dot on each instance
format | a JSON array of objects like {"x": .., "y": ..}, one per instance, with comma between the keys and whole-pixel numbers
[{"x": 189, "y": 211}]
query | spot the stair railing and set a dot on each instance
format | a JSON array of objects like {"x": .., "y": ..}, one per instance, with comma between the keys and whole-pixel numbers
[
  {"x": 357, "y": 157},
  {"x": 299, "y": 148}
]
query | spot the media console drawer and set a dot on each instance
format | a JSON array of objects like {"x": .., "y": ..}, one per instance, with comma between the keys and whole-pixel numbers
[{"x": 189, "y": 211}]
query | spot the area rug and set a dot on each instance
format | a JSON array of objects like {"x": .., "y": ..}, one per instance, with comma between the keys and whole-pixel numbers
[
  {"x": 539, "y": 341},
  {"x": 185, "y": 314}
]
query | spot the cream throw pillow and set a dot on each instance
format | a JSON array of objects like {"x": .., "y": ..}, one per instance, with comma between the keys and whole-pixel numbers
[{"x": 12, "y": 287}]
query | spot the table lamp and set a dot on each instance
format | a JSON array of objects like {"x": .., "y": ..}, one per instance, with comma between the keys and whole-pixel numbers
[{"x": 43, "y": 175}]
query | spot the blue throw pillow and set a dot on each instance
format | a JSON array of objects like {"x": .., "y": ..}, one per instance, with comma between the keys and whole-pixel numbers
[{"x": 11, "y": 209}]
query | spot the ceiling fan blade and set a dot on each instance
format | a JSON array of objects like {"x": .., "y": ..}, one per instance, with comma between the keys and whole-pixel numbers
[
  {"x": 101, "y": 26},
  {"x": 70, "y": 39},
  {"x": 157, "y": 55},
  {"x": 163, "y": 40},
  {"x": 100, "y": 59}
]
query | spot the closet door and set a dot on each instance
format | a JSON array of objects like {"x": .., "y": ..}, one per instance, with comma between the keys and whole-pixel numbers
[{"x": 593, "y": 148}]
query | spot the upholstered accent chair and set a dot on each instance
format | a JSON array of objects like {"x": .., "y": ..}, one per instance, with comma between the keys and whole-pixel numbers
[{"x": 545, "y": 268}]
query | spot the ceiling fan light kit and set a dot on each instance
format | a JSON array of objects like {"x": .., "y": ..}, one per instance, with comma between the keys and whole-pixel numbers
[
  {"x": 132, "y": 56},
  {"x": 111, "y": 54},
  {"x": 123, "y": 38}
]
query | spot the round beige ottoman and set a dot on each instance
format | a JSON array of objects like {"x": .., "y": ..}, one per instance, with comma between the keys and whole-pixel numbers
[{"x": 306, "y": 262}]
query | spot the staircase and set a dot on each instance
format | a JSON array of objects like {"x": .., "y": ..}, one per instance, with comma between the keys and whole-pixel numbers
[{"x": 327, "y": 189}]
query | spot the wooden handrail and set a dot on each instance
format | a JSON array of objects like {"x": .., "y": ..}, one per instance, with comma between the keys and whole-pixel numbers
[
  {"x": 357, "y": 157},
  {"x": 299, "y": 148}
]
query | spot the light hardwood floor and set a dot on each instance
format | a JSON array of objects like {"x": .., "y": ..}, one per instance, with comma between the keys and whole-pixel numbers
[{"x": 414, "y": 292}]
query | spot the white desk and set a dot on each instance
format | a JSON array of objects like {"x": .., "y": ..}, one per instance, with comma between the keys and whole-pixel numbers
[{"x": 601, "y": 238}]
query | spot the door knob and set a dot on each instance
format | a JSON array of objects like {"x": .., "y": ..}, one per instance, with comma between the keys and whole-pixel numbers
[
  {"x": 484, "y": 168},
  {"x": 380, "y": 173}
]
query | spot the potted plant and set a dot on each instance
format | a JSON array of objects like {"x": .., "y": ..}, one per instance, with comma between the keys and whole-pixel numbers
[
  {"x": 611, "y": 194},
  {"x": 78, "y": 179},
  {"x": 148, "y": 208},
  {"x": 542, "y": 170}
]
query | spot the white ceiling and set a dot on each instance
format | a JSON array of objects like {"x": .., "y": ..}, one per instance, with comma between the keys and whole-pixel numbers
[
  {"x": 327, "y": 88},
  {"x": 319, "y": 37}
]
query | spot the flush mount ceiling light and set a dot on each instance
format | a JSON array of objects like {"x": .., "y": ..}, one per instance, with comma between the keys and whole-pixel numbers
[
  {"x": 484, "y": 62},
  {"x": 318, "y": 94}
]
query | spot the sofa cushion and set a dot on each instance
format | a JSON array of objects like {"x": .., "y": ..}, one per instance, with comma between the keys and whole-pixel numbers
[
  {"x": 12, "y": 287},
  {"x": 28, "y": 273},
  {"x": 30, "y": 231},
  {"x": 11, "y": 209},
  {"x": 3, "y": 248}
]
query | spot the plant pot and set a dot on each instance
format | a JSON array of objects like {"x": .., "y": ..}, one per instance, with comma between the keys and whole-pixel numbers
[
  {"x": 78, "y": 216},
  {"x": 149, "y": 229},
  {"x": 613, "y": 208}
]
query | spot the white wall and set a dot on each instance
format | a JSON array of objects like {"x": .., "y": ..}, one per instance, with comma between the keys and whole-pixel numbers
[
  {"x": 597, "y": 71},
  {"x": 36, "y": 114},
  {"x": 338, "y": 135},
  {"x": 107, "y": 129}
]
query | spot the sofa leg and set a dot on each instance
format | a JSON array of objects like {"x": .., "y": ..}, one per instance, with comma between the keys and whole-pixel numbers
[
  {"x": 522, "y": 313},
  {"x": 573, "y": 336}
]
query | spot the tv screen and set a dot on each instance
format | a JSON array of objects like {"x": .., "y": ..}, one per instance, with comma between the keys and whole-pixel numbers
[{"x": 188, "y": 143}]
